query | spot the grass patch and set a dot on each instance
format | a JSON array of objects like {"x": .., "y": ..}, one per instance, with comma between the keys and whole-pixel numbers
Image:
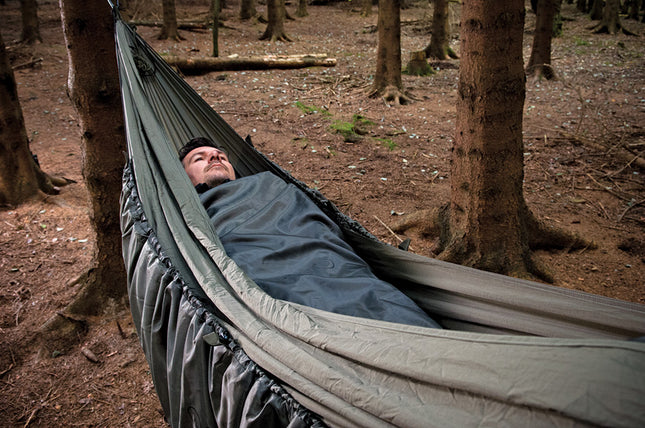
[
  {"x": 311, "y": 109},
  {"x": 581, "y": 42},
  {"x": 388, "y": 143}
]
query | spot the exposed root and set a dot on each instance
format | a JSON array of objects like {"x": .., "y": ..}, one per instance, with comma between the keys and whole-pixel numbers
[
  {"x": 612, "y": 29},
  {"x": 392, "y": 94},
  {"x": 282, "y": 37},
  {"x": 67, "y": 327},
  {"x": 60, "y": 333},
  {"x": 545, "y": 237},
  {"x": 542, "y": 71},
  {"x": 453, "y": 246}
]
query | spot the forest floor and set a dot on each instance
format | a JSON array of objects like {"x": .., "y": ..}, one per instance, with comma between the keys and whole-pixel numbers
[{"x": 580, "y": 132}]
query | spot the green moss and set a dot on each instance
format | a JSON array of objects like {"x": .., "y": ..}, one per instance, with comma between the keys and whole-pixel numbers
[
  {"x": 352, "y": 131},
  {"x": 387, "y": 142}
]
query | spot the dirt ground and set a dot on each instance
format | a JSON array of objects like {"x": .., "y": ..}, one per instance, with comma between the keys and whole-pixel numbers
[{"x": 581, "y": 134}]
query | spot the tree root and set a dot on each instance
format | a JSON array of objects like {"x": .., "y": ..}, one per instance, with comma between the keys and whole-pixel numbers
[
  {"x": 65, "y": 328},
  {"x": 607, "y": 29},
  {"x": 434, "y": 224},
  {"x": 392, "y": 94},
  {"x": 282, "y": 37},
  {"x": 543, "y": 236},
  {"x": 540, "y": 71}
]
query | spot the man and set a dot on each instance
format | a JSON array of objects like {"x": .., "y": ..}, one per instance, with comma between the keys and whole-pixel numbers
[
  {"x": 205, "y": 163},
  {"x": 287, "y": 245}
]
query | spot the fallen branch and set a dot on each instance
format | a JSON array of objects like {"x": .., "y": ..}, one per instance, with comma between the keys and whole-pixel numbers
[
  {"x": 187, "y": 25},
  {"x": 30, "y": 63},
  {"x": 233, "y": 63}
]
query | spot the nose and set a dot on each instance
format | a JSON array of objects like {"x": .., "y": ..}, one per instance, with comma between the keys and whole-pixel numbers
[{"x": 215, "y": 156}]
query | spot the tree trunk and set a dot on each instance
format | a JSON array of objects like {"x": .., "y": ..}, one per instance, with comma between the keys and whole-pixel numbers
[
  {"x": 247, "y": 9},
  {"x": 596, "y": 10},
  {"x": 20, "y": 176},
  {"x": 439, "y": 47},
  {"x": 30, "y": 28},
  {"x": 610, "y": 22},
  {"x": 215, "y": 9},
  {"x": 301, "y": 12},
  {"x": 94, "y": 90},
  {"x": 582, "y": 6},
  {"x": 487, "y": 224},
  {"x": 387, "y": 78},
  {"x": 275, "y": 27},
  {"x": 540, "y": 60},
  {"x": 366, "y": 8},
  {"x": 634, "y": 8},
  {"x": 169, "y": 29}
]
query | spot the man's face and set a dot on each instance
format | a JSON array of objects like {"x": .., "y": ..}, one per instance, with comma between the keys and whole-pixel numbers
[{"x": 208, "y": 165}]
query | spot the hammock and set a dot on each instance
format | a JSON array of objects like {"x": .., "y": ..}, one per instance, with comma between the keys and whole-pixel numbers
[{"x": 224, "y": 353}]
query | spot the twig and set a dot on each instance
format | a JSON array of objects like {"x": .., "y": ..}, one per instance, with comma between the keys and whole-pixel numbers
[
  {"x": 2, "y": 373},
  {"x": 121, "y": 333},
  {"x": 607, "y": 188},
  {"x": 388, "y": 228},
  {"x": 31, "y": 417},
  {"x": 629, "y": 207},
  {"x": 30, "y": 63}
]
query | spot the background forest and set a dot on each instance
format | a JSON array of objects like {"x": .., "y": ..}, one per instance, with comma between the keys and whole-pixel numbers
[{"x": 379, "y": 162}]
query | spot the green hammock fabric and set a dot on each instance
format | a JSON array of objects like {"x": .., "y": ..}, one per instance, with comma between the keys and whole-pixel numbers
[{"x": 222, "y": 352}]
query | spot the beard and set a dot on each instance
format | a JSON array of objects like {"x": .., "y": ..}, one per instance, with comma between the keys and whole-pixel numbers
[{"x": 215, "y": 175}]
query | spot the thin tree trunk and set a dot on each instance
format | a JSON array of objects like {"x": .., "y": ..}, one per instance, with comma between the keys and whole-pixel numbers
[
  {"x": 439, "y": 47},
  {"x": 30, "y": 27},
  {"x": 387, "y": 78},
  {"x": 596, "y": 10},
  {"x": 95, "y": 93},
  {"x": 610, "y": 22},
  {"x": 275, "y": 27},
  {"x": 634, "y": 7},
  {"x": 169, "y": 29},
  {"x": 366, "y": 8},
  {"x": 247, "y": 9},
  {"x": 540, "y": 60},
  {"x": 215, "y": 5},
  {"x": 582, "y": 6},
  {"x": 301, "y": 12},
  {"x": 20, "y": 176}
]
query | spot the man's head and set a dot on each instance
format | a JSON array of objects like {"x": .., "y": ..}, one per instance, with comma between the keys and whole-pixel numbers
[{"x": 206, "y": 163}]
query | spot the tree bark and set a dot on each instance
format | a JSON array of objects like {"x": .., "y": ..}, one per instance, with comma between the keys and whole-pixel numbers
[
  {"x": 208, "y": 64},
  {"x": 596, "y": 10},
  {"x": 540, "y": 61},
  {"x": 634, "y": 8},
  {"x": 276, "y": 13},
  {"x": 487, "y": 223},
  {"x": 30, "y": 27},
  {"x": 610, "y": 22},
  {"x": 387, "y": 78},
  {"x": 20, "y": 176},
  {"x": 247, "y": 9},
  {"x": 169, "y": 29},
  {"x": 439, "y": 47},
  {"x": 301, "y": 11},
  {"x": 582, "y": 6},
  {"x": 94, "y": 90},
  {"x": 215, "y": 9},
  {"x": 366, "y": 8}
]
